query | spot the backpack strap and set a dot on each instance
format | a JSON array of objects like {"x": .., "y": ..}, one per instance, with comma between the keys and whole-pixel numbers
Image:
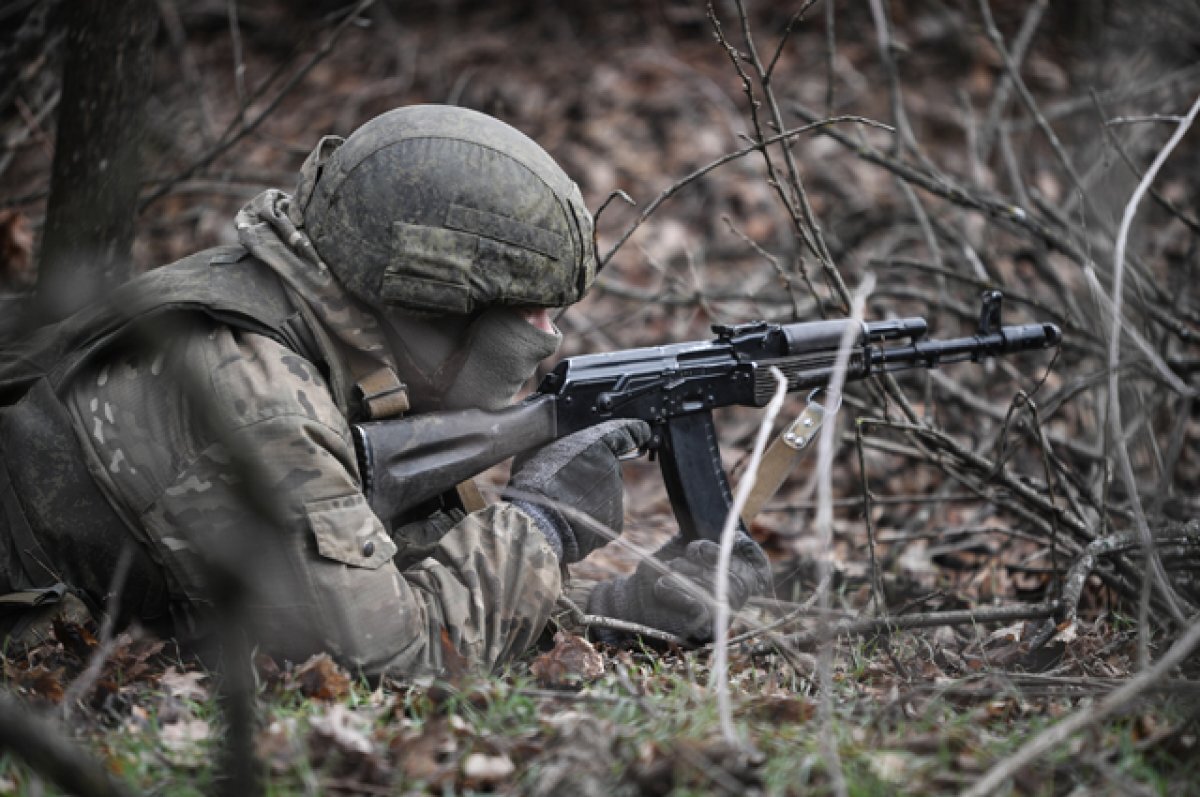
[{"x": 225, "y": 283}]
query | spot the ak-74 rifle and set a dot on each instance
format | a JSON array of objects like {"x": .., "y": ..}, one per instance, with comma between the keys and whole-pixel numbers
[{"x": 674, "y": 388}]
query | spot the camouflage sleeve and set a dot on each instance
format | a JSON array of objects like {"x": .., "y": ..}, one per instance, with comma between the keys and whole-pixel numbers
[{"x": 262, "y": 478}]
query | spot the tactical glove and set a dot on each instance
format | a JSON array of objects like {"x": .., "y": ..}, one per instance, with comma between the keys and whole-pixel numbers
[
  {"x": 680, "y": 601},
  {"x": 579, "y": 474}
]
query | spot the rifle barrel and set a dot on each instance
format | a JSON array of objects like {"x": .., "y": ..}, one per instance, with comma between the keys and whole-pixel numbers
[{"x": 931, "y": 353}]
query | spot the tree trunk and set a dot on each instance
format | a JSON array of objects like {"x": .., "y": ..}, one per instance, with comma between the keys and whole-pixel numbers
[{"x": 97, "y": 169}]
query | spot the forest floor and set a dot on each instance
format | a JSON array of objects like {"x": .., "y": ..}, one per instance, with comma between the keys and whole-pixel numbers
[{"x": 636, "y": 96}]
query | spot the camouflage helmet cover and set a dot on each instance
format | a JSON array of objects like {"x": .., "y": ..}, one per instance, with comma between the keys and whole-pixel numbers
[{"x": 438, "y": 209}]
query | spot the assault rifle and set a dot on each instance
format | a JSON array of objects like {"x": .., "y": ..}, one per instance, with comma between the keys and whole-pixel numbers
[{"x": 674, "y": 388}]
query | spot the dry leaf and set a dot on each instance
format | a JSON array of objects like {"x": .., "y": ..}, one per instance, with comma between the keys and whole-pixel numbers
[
  {"x": 344, "y": 729},
  {"x": 1004, "y": 709},
  {"x": 45, "y": 683},
  {"x": 136, "y": 659},
  {"x": 422, "y": 754},
  {"x": 184, "y": 685},
  {"x": 679, "y": 766},
  {"x": 1009, "y": 633},
  {"x": 269, "y": 673},
  {"x": 75, "y": 638},
  {"x": 454, "y": 664},
  {"x": 783, "y": 709},
  {"x": 184, "y": 742},
  {"x": 481, "y": 770},
  {"x": 572, "y": 662},
  {"x": 890, "y": 766},
  {"x": 277, "y": 746},
  {"x": 340, "y": 743},
  {"x": 321, "y": 678},
  {"x": 1067, "y": 632}
]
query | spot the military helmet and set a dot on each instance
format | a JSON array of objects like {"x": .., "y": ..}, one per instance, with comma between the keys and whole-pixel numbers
[{"x": 437, "y": 209}]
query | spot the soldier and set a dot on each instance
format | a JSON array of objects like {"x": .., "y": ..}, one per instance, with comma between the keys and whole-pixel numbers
[{"x": 198, "y": 423}]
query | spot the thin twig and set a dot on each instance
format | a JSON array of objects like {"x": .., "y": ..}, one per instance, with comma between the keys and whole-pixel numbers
[
  {"x": 1014, "y": 73},
  {"x": 785, "y": 279},
  {"x": 1005, "y": 213},
  {"x": 674, "y": 188},
  {"x": 169, "y": 13},
  {"x": 991, "y": 126},
  {"x": 1153, "y": 564},
  {"x": 1010, "y": 297},
  {"x": 798, "y": 611},
  {"x": 1029, "y": 495},
  {"x": 729, "y": 533},
  {"x": 112, "y": 606},
  {"x": 626, "y": 627},
  {"x": 615, "y": 194},
  {"x": 876, "y": 579},
  {"x": 1115, "y": 140},
  {"x": 787, "y": 32},
  {"x": 830, "y": 52},
  {"x": 1178, "y": 435},
  {"x": 240, "y": 127},
  {"x": 239, "y": 65},
  {"x": 806, "y": 223},
  {"x": 1025, "y": 399},
  {"x": 1107, "y": 312},
  {"x": 876, "y": 500},
  {"x": 828, "y": 632},
  {"x": 671, "y": 296},
  {"x": 1172, "y": 118},
  {"x": 585, "y": 620},
  {"x": 905, "y": 139},
  {"x": 824, "y": 524}
]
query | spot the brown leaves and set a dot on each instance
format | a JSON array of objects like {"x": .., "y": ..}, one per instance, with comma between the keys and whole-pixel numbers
[
  {"x": 778, "y": 709},
  {"x": 184, "y": 685},
  {"x": 689, "y": 764},
  {"x": 482, "y": 771},
  {"x": 454, "y": 664},
  {"x": 321, "y": 678},
  {"x": 426, "y": 755},
  {"x": 44, "y": 683},
  {"x": 46, "y": 670},
  {"x": 341, "y": 741},
  {"x": 185, "y": 741},
  {"x": 76, "y": 639},
  {"x": 571, "y": 663}
]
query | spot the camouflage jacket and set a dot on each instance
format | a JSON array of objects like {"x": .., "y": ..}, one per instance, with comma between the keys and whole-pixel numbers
[{"x": 227, "y": 451}]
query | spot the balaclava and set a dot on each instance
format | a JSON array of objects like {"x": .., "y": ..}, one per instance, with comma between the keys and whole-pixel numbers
[{"x": 457, "y": 362}]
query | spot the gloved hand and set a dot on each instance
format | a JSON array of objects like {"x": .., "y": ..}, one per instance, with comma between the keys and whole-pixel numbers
[
  {"x": 579, "y": 472},
  {"x": 663, "y": 600}
]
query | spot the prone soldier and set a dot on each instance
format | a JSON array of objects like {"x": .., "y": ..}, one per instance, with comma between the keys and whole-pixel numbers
[{"x": 198, "y": 421}]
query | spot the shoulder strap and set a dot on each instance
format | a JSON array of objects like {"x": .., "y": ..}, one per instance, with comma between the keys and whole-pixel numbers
[{"x": 225, "y": 283}]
